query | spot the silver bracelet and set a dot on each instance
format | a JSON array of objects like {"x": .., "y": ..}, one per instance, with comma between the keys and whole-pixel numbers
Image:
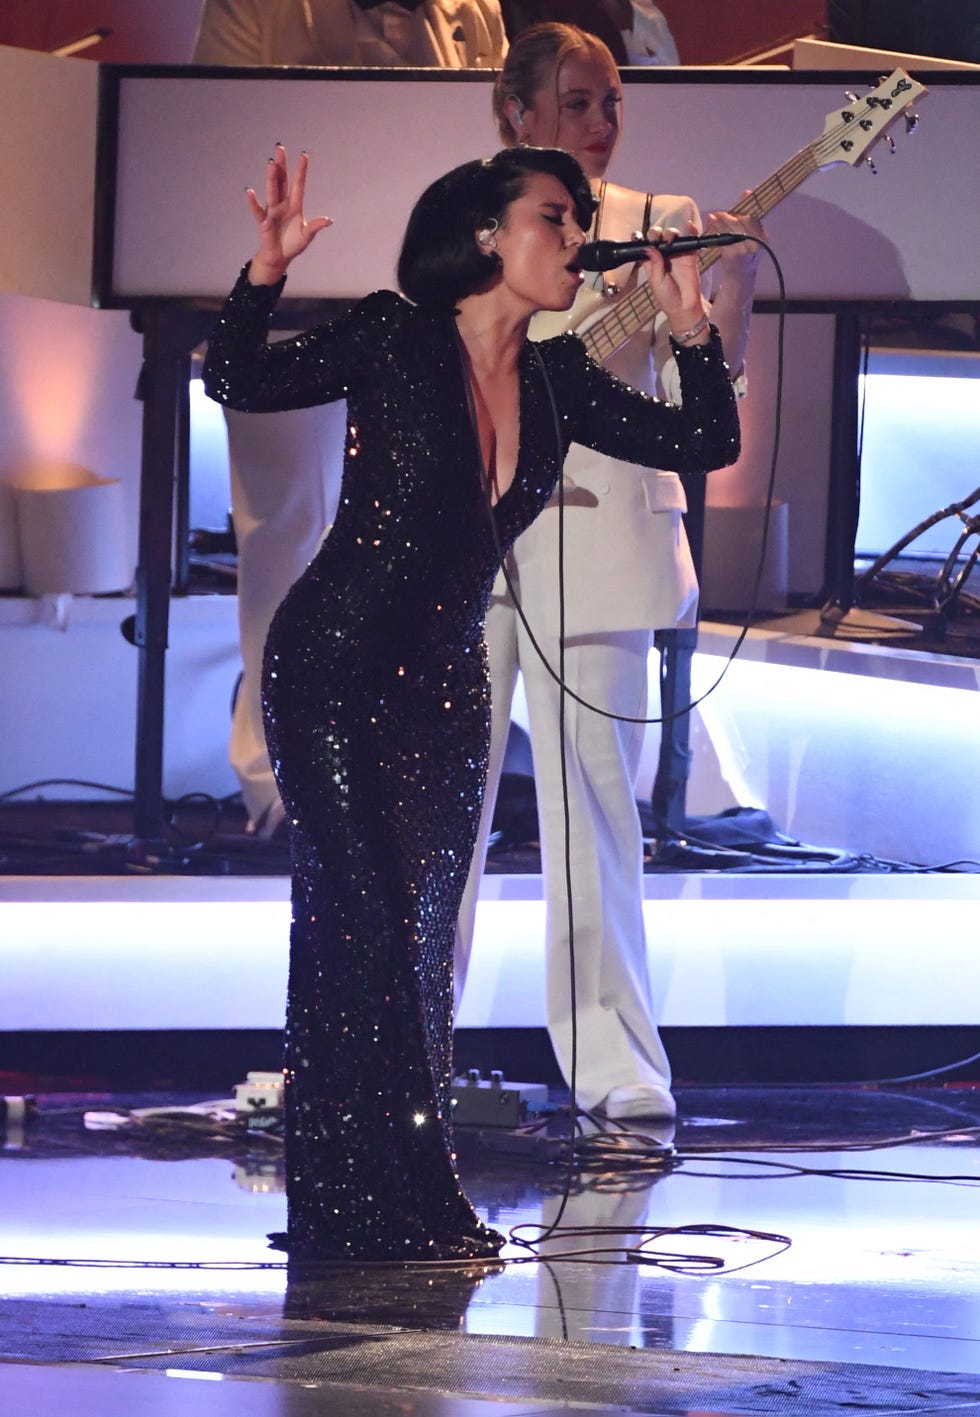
[{"x": 692, "y": 333}]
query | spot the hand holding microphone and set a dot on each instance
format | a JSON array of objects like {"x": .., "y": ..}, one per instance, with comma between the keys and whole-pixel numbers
[
  {"x": 606, "y": 255},
  {"x": 672, "y": 275}
]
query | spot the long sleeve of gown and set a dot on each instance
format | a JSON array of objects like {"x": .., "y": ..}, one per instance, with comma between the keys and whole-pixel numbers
[
  {"x": 601, "y": 412},
  {"x": 244, "y": 370}
]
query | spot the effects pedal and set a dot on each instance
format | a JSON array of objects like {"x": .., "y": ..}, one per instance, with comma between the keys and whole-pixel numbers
[
  {"x": 259, "y": 1100},
  {"x": 492, "y": 1102}
]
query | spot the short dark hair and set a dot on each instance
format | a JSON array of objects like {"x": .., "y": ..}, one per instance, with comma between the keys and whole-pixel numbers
[{"x": 440, "y": 263}]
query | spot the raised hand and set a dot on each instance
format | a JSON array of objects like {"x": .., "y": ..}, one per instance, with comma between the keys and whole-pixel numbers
[{"x": 283, "y": 230}]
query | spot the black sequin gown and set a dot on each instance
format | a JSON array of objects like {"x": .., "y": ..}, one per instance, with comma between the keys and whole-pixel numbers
[{"x": 377, "y": 716}]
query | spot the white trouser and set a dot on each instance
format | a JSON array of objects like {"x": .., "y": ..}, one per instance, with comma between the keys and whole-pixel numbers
[
  {"x": 618, "y": 1044},
  {"x": 285, "y": 480}
]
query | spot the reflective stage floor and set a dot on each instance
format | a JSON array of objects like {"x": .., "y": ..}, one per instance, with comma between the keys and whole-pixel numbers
[{"x": 806, "y": 1250}]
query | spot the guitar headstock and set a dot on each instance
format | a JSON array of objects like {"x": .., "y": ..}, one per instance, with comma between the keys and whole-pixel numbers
[{"x": 851, "y": 131}]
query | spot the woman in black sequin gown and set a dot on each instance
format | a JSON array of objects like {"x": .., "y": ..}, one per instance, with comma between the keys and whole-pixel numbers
[{"x": 376, "y": 691}]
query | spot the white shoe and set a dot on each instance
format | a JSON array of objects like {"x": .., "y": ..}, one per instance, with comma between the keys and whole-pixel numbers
[{"x": 643, "y": 1099}]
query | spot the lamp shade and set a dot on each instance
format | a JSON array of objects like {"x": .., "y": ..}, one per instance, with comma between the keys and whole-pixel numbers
[{"x": 72, "y": 531}]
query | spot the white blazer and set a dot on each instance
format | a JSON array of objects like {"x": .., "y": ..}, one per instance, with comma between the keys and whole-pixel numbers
[{"x": 627, "y": 561}]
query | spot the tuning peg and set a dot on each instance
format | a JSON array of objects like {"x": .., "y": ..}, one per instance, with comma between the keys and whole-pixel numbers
[
  {"x": 911, "y": 122},
  {"x": 851, "y": 97},
  {"x": 891, "y": 144},
  {"x": 870, "y": 163}
]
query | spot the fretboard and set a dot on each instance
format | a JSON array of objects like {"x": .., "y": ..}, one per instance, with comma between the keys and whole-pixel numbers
[{"x": 612, "y": 329}]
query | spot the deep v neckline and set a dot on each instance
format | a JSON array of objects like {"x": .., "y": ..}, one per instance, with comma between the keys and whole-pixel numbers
[
  {"x": 488, "y": 482},
  {"x": 488, "y": 466}
]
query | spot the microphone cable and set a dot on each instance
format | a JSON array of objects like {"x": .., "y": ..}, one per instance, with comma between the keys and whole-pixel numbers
[
  {"x": 565, "y": 692},
  {"x": 558, "y": 676}
]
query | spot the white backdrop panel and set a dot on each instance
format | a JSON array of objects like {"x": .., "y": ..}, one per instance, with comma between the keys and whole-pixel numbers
[{"x": 190, "y": 141}]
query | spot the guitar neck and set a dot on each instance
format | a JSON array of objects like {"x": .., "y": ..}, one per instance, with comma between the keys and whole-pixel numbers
[{"x": 611, "y": 331}]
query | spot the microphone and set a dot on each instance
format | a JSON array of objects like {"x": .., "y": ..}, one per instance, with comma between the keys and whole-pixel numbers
[{"x": 606, "y": 255}]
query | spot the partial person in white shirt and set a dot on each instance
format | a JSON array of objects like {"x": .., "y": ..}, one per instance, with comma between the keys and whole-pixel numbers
[
  {"x": 644, "y": 29},
  {"x": 634, "y": 31},
  {"x": 450, "y": 34}
]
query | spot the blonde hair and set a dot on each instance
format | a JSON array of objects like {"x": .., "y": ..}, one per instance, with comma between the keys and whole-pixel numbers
[{"x": 533, "y": 63}]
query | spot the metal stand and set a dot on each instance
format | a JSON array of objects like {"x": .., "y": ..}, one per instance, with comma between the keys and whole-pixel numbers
[
  {"x": 169, "y": 336},
  {"x": 845, "y": 471},
  {"x": 668, "y": 800},
  {"x": 952, "y": 576},
  {"x": 676, "y": 648},
  {"x": 669, "y": 797}
]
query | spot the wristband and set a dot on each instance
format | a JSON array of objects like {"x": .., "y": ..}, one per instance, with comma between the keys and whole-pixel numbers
[{"x": 692, "y": 333}]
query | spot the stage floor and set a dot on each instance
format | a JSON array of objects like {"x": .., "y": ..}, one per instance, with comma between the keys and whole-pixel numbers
[{"x": 805, "y": 1249}]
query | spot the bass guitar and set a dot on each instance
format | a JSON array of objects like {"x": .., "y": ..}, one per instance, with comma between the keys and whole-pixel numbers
[{"x": 605, "y": 323}]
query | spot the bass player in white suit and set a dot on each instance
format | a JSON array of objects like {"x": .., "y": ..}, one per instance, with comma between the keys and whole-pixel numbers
[{"x": 628, "y": 571}]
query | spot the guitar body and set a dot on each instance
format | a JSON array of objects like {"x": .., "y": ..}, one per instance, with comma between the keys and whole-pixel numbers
[{"x": 589, "y": 304}]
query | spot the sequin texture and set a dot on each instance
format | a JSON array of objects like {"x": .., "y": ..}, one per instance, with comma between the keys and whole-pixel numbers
[{"x": 377, "y": 715}]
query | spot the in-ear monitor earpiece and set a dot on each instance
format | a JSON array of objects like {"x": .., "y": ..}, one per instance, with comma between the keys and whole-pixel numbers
[{"x": 486, "y": 234}]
